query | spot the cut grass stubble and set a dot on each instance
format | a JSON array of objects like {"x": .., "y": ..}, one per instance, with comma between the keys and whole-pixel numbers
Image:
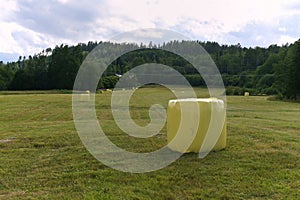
[{"x": 42, "y": 156}]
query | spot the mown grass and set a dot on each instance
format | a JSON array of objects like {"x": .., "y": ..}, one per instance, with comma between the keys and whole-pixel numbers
[{"x": 42, "y": 156}]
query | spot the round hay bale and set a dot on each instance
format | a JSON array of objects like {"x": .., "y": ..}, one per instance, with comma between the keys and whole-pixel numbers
[{"x": 246, "y": 94}]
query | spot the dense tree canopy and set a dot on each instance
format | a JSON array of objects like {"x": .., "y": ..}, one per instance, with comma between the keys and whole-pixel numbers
[
  {"x": 272, "y": 70},
  {"x": 287, "y": 72}
]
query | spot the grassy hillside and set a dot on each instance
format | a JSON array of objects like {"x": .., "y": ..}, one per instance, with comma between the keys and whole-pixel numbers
[{"x": 42, "y": 157}]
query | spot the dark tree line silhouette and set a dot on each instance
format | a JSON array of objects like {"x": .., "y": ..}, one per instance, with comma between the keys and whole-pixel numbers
[{"x": 272, "y": 70}]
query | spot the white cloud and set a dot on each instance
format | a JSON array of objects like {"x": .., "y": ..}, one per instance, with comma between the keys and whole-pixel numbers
[
  {"x": 232, "y": 14},
  {"x": 8, "y": 42},
  {"x": 145, "y": 36},
  {"x": 28, "y": 26},
  {"x": 7, "y": 8},
  {"x": 282, "y": 29},
  {"x": 283, "y": 39}
]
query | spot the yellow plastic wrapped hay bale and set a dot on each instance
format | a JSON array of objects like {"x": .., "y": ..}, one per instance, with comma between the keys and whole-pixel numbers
[
  {"x": 246, "y": 94},
  {"x": 101, "y": 91},
  {"x": 190, "y": 136}
]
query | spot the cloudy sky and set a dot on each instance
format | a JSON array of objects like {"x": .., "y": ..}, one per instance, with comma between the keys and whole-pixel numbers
[{"x": 28, "y": 26}]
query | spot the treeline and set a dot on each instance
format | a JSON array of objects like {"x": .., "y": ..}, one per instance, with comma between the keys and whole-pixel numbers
[{"x": 272, "y": 70}]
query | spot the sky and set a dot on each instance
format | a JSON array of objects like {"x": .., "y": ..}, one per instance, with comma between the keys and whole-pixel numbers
[{"x": 29, "y": 26}]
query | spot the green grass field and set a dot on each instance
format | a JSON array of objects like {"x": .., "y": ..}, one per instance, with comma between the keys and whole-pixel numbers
[{"x": 42, "y": 157}]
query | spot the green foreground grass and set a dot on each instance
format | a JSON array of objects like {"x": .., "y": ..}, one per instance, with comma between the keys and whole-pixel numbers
[{"x": 42, "y": 157}]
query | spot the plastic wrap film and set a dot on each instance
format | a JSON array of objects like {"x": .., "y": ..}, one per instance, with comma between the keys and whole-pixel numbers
[{"x": 194, "y": 130}]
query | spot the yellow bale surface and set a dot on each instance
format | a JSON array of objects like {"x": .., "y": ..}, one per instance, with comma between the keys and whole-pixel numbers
[
  {"x": 185, "y": 137},
  {"x": 246, "y": 94}
]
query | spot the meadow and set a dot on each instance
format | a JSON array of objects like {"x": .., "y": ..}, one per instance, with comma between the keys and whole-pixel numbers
[{"x": 42, "y": 156}]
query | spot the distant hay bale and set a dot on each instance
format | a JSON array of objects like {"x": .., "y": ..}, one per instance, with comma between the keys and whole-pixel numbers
[
  {"x": 7, "y": 140},
  {"x": 85, "y": 96},
  {"x": 246, "y": 94},
  {"x": 101, "y": 91}
]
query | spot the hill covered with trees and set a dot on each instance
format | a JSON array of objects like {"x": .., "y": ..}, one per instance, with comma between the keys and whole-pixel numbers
[{"x": 273, "y": 70}]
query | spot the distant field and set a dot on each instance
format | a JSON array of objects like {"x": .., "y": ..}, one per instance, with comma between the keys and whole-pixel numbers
[{"x": 42, "y": 157}]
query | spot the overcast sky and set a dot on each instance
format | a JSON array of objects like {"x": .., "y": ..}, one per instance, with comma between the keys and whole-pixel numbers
[{"x": 28, "y": 26}]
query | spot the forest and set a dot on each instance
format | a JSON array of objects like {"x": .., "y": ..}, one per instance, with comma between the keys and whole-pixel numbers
[{"x": 261, "y": 71}]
